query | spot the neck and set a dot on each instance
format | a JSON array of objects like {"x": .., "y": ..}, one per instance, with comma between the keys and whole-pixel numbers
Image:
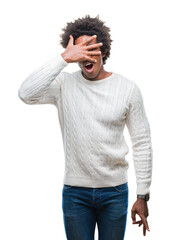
[{"x": 103, "y": 74}]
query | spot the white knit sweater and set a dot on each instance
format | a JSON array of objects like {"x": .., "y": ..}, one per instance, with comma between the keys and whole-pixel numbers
[{"x": 92, "y": 115}]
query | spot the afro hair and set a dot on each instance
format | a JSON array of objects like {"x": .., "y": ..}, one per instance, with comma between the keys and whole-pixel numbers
[{"x": 88, "y": 26}]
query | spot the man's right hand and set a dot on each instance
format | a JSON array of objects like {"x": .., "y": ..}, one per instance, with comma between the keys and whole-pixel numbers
[{"x": 80, "y": 52}]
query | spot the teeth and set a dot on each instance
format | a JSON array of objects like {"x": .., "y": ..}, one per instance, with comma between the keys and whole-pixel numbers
[{"x": 87, "y": 64}]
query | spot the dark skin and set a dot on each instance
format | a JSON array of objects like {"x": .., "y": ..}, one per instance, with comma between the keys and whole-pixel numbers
[
  {"x": 140, "y": 207},
  {"x": 86, "y": 49}
]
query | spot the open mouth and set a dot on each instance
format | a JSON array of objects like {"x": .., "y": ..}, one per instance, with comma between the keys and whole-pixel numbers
[{"x": 88, "y": 66}]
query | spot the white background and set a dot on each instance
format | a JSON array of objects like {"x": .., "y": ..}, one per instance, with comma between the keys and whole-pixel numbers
[{"x": 31, "y": 155}]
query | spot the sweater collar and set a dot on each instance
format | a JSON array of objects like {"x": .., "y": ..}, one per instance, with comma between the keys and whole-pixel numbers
[{"x": 94, "y": 82}]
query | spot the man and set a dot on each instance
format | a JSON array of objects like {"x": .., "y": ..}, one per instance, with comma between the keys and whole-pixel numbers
[{"x": 93, "y": 107}]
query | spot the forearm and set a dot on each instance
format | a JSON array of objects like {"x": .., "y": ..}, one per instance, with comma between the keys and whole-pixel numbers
[
  {"x": 38, "y": 82},
  {"x": 139, "y": 129},
  {"x": 142, "y": 157}
]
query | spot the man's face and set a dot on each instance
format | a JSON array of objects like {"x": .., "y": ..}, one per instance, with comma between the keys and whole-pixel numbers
[{"x": 98, "y": 66}]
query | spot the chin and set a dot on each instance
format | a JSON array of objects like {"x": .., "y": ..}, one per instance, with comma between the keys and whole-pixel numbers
[{"x": 91, "y": 75}]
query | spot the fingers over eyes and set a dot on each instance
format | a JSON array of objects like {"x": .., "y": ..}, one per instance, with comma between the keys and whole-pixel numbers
[
  {"x": 88, "y": 40},
  {"x": 93, "y": 53},
  {"x": 93, "y": 45}
]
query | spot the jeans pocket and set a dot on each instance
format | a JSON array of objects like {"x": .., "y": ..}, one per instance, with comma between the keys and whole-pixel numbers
[
  {"x": 122, "y": 188},
  {"x": 65, "y": 187}
]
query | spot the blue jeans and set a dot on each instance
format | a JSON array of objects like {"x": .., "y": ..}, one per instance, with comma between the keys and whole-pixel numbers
[{"x": 84, "y": 207}]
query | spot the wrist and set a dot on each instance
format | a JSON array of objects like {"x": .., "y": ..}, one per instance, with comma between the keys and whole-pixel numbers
[
  {"x": 65, "y": 57},
  {"x": 145, "y": 197}
]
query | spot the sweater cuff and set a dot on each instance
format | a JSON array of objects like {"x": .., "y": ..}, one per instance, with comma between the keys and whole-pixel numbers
[
  {"x": 61, "y": 60},
  {"x": 143, "y": 188}
]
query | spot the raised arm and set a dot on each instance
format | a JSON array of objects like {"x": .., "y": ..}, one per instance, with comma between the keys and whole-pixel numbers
[{"x": 42, "y": 85}]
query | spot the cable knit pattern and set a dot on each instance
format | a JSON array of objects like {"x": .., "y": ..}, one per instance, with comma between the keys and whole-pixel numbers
[{"x": 92, "y": 116}]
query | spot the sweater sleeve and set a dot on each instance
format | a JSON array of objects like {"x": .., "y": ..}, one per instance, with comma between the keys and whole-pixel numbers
[
  {"x": 42, "y": 85},
  {"x": 140, "y": 135}
]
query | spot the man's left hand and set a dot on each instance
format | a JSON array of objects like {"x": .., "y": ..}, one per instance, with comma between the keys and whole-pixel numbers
[{"x": 140, "y": 207}]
